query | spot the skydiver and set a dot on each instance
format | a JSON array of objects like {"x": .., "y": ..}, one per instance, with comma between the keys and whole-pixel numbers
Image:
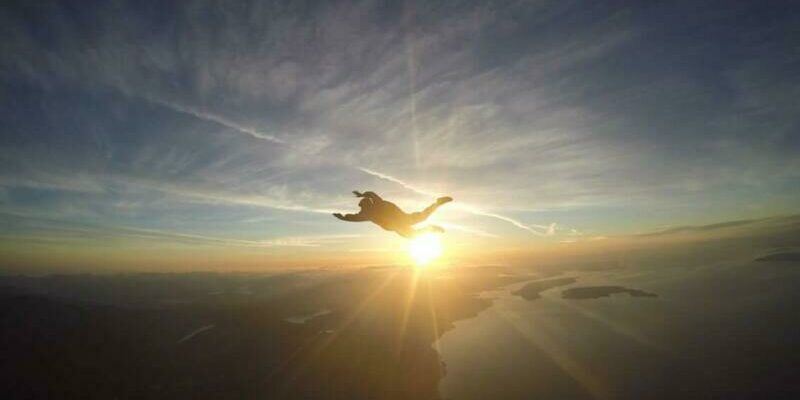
[{"x": 390, "y": 217}]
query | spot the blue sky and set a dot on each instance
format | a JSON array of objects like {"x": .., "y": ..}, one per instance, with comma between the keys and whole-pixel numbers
[{"x": 244, "y": 124}]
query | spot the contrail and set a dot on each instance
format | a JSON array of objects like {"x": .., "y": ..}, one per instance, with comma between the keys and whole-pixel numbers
[
  {"x": 213, "y": 118},
  {"x": 549, "y": 229},
  {"x": 467, "y": 229},
  {"x": 399, "y": 182}
]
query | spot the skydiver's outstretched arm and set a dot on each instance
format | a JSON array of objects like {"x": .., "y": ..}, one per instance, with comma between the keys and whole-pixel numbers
[{"x": 351, "y": 217}]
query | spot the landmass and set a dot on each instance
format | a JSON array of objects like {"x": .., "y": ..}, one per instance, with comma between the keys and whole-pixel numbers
[
  {"x": 197, "y": 336},
  {"x": 781, "y": 257},
  {"x": 532, "y": 290},
  {"x": 594, "y": 292}
]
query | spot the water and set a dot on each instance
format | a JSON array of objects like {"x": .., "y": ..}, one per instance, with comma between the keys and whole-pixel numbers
[
  {"x": 302, "y": 319},
  {"x": 708, "y": 328}
]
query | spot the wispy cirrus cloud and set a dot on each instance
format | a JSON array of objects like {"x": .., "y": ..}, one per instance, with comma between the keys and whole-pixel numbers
[
  {"x": 206, "y": 116},
  {"x": 596, "y": 116},
  {"x": 68, "y": 232}
]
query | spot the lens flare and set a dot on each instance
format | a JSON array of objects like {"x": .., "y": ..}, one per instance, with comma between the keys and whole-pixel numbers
[{"x": 425, "y": 248}]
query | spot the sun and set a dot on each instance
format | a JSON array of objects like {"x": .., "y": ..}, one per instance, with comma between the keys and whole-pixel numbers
[{"x": 425, "y": 248}]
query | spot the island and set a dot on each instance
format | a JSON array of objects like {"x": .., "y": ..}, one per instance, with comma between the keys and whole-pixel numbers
[
  {"x": 532, "y": 290},
  {"x": 594, "y": 292}
]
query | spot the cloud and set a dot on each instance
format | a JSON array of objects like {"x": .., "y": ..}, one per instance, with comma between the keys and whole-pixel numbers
[
  {"x": 216, "y": 119},
  {"x": 69, "y": 232},
  {"x": 560, "y": 108},
  {"x": 702, "y": 228},
  {"x": 221, "y": 196},
  {"x": 782, "y": 230},
  {"x": 467, "y": 229}
]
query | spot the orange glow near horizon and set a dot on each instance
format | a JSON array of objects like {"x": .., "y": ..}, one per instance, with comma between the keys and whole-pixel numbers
[{"x": 424, "y": 249}]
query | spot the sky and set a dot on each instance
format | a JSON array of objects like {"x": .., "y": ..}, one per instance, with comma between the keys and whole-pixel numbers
[{"x": 221, "y": 135}]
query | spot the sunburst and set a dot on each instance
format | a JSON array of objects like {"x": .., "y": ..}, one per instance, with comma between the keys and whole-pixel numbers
[{"x": 425, "y": 248}]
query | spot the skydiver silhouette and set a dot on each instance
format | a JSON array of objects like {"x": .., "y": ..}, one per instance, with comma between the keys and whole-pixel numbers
[{"x": 390, "y": 217}]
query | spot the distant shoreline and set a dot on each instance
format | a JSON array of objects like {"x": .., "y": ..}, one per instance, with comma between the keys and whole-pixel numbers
[
  {"x": 594, "y": 292},
  {"x": 781, "y": 257},
  {"x": 532, "y": 290}
]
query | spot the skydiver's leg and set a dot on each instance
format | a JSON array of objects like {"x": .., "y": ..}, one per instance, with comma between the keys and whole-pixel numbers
[
  {"x": 410, "y": 233},
  {"x": 406, "y": 232},
  {"x": 420, "y": 216}
]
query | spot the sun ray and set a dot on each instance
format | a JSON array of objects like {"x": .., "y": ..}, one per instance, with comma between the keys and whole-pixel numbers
[
  {"x": 434, "y": 320},
  {"x": 543, "y": 338},
  {"x": 618, "y": 328},
  {"x": 319, "y": 346},
  {"x": 409, "y": 305}
]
